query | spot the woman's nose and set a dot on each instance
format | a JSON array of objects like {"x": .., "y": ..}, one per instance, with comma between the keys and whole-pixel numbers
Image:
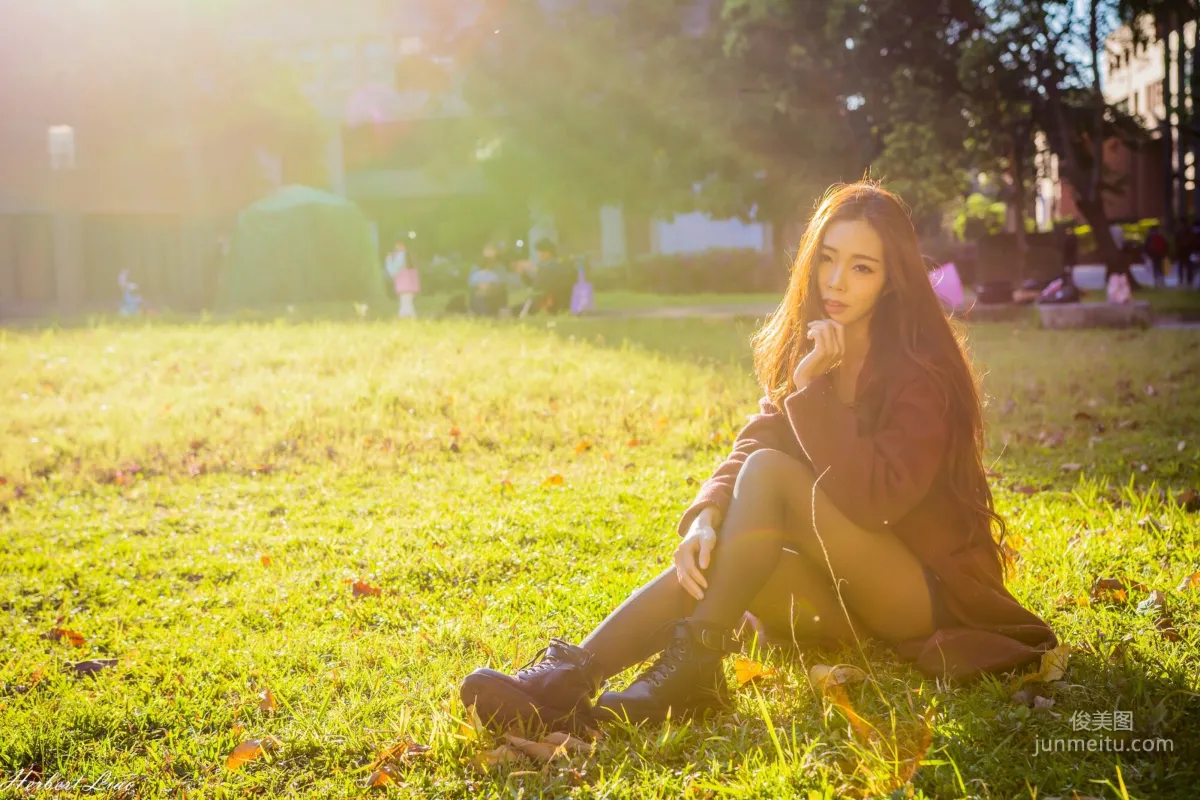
[{"x": 836, "y": 276}]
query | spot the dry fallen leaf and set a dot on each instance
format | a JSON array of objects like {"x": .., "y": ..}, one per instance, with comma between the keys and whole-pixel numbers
[
  {"x": 1052, "y": 667},
  {"x": 362, "y": 588},
  {"x": 747, "y": 670},
  {"x": 553, "y": 480},
  {"x": 455, "y": 433},
  {"x": 1026, "y": 489},
  {"x": 94, "y": 666},
  {"x": 568, "y": 742},
  {"x": 58, "y": 634},
  {"x": 496, "y": 757},
  {"x": 1083, "y": 416},
  {"x": 1190, "y": 582},
  {"x": 824, "y": 678},
  {"x": 267, "y": 702},
  {"x": 634, "y": 442},
  {"x": 583, "y": 447},
  {"x": 1108, "y": 589},
  {"x": 543, "y": 751},
  {"x": 1152, "y": 603},
  {"x": 1065, "y": 600},
  {"x": 380, "y": 777},
  {"x": 1166, "y": 626},
  {"x": 399, "y": 751},
  {"x": 1072, "y": 467},
  {"x": 265, "y": 560},
  {"x": 249, "y": 750},
  {"x": 505, "y": 485}
]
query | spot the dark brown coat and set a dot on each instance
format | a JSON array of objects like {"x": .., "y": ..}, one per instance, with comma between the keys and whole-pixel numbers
[{"x": 883, "y": 464}]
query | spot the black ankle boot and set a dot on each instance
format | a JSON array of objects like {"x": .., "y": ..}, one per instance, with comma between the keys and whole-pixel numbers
[
  {"x": 686, "y": 678},
  {"x": 554, "y": 690}
]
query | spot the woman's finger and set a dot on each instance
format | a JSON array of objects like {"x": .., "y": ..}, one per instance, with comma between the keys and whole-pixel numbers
[
  {"x": 690, "y": 587},
  {"x": 827, "y": 347},
  {"x": 707, "y": 541},
  {"x": 686, "y": 565}
]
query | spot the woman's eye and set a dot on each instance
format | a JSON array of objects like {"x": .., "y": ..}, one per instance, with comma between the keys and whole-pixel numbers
[{"x": 863, "y": 268}]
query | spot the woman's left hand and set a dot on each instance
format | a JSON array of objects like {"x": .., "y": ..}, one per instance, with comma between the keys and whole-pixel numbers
[{"x": 694, "y": 552}]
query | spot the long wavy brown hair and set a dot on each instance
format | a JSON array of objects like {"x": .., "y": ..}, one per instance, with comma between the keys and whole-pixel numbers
[{"x": 908, "y": 329}]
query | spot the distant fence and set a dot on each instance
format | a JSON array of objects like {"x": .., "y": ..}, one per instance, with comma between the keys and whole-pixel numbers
[{"x": 171, "y": 258}]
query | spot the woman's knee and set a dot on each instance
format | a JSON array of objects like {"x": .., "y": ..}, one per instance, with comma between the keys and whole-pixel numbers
[{"x": 769, "y": 470}]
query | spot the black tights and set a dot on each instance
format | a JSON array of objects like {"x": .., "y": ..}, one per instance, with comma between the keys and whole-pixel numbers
[{"x": 770, "y": 560}]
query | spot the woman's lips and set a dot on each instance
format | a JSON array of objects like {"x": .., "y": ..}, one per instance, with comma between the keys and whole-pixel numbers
[{"x": 833, "y": 306}]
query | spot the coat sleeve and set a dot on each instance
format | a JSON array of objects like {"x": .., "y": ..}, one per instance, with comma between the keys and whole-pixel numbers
[
  {"x": 767, "y": 429},
  {"x": 875, "y": 478}
]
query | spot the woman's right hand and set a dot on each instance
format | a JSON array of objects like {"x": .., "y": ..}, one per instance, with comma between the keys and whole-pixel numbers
[
  {"x": 829, "y": 345},
  {"x": 694, "y": 552}
]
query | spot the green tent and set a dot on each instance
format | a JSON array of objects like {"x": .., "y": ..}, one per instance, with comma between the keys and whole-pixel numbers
[{"x": 302, "y": 245}]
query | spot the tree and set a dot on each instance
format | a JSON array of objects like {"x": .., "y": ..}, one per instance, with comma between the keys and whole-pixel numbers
[{"x": 576, "y": 107}]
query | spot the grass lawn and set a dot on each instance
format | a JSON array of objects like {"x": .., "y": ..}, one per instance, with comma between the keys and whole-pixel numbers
[{"x": 197, "y": 501}]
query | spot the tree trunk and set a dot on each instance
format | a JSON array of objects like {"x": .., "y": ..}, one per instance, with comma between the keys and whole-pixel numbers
[{"x": 1016, "y": 204}]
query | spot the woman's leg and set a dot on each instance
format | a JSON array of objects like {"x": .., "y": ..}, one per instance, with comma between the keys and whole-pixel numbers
[
  {"x": 635, "y": 630},
  {"x": 797, "y": 603},
  {"x": 774, "y": 502}
]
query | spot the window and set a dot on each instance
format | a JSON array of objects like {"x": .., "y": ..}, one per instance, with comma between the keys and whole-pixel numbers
[{"x": 1154, "y": 98}]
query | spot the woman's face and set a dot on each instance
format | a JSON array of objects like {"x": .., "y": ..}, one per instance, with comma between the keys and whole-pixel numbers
[{"x": 851, "y": 274}]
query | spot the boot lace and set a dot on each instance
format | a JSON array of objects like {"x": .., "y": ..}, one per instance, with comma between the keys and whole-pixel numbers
[
  {"x": 542, "y": 660},
  {"x": 666, "y": 663}
]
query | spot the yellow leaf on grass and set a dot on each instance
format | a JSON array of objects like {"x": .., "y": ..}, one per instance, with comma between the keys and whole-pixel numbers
[
  {"x": 553, "y": 480},
  {"x": 568, "y": 742},
  {"x": 380, "y": 777},
  {"x": 824, "y": 678},
  {"x": 266, "y": 560},
  {"x": 249, "y": 750},
  {"x": 747, "y": 671},
  {"x": 400, "y": 751},
  {"x": 583, "y": 447},
  {"x": 495, "y": 757},
  {"x": 268, "y": 701},
  {"x": 541, "y": 751},
  {"x": 1052, "y": 668}
]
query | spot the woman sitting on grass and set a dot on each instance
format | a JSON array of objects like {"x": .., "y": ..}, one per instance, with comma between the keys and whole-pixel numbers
[{"x": 854, "y": 502}]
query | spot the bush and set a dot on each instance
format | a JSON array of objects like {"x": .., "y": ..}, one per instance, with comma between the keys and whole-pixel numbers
[
  {"x": 718, "y": 271},
  {"x": 302, "y": 245}
]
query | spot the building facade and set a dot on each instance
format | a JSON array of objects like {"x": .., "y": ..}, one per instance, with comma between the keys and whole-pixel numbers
[{"x": 1134, "y": 78}]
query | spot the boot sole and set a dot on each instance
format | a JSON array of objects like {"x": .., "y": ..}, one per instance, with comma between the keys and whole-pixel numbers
[{"x": 500, "y": 705}]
